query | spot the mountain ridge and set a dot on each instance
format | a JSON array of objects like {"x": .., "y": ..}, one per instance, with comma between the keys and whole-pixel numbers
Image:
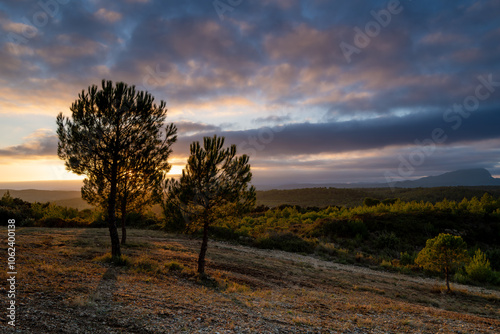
[{"x": 460, "y": 177}]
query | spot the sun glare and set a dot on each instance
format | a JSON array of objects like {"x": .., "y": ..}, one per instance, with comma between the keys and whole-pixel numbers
[
  {"x": 175, "y": 170},
  {"x": 36, "y": 170}
]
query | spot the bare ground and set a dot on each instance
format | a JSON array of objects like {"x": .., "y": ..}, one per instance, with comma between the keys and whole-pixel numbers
[{"x": 63, "y": 289}]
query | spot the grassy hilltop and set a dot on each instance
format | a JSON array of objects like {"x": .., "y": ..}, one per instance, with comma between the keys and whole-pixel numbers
[
  {"x": 342, "y": 268},
  {"x": 65, "y": 284}
]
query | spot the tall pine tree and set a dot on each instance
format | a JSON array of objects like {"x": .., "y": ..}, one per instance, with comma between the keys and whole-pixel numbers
[{"x": 114, "y": 134}]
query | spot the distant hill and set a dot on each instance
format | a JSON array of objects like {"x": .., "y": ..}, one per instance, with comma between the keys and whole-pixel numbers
[
  {"x": 71, "y": 199},
  {"x": 354, "y": 196},
  {"x": 291, "y": 186},
  {"x": 304, "y": 197},
  {"x": 463, "y": 177},
  {"x": 453, "y": 186},
  {"x": 63, "y": 185}
]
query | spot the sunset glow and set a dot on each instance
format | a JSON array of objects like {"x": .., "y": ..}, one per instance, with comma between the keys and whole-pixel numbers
[{"x": 305, "y": 88}]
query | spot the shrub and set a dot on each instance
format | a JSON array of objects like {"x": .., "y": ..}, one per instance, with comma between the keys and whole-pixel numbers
[
  {"x": 18, "y": 213},
  {"x": 326, "y": 249},
  {"x": 359, "y": 257},
  {"x": 479, "y": 269},
  {"x": 224, "y": 233},
  {"x": 389, "y": 201},
  {"x": 407, "y": 259},
  {"x": 494, "y": 256},
  {"x": 51, "y": 222},
  {"x": 495, "y": 278},
  {"x": 387, "y": 240},
  {"x": 27, "y": 222},
  {"x": 368, "y": 201},
  {"x": 174, "y": 266},
  {"x": 285, "y": 241},
  {"x": 339, "y": 228},
  {"x": 61, "y": 222},
  {"x": 260, "y": 208},
  {"x": 357, "y": 228},
  {"x": 174, "y": 220},
  {"x": 122, "y": 260},
  {"x": 386, "y": 264},
  {"x": 144, "y": 265}
]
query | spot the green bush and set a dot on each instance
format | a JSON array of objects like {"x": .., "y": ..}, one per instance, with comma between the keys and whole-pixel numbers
[
  {"x": 389, "y": 201},
  {"x": 145, "y": 265},
  {"x": 340, "y": 228},
  {"x": 140, "y": 220},
  {"x": 326, "y": 250},
  {"x": 55, "y": 211},
  {"x": 357, "y": 228},
  {"x": 174, "y": 220},
  {"x": 407, "y": 259},
  {"x": 122, "y": 260},
  {"x": 61, "y": 222},
  {"x": 387, "y": 240},
  {"x": 479, "y": 269},
  {"x": 494, "y": 256},
  {"x": 461, "y": 277},
  {"x": 285, "y": 241},
  {"x": 19, "y": 214},
  {"x": 174, "y": 266},
  {"x": 386, "y": 264},
  {"x": 495, "y": 278},
  {"x": 224, "y": 233},
  {"x": 368, "y": 201}
]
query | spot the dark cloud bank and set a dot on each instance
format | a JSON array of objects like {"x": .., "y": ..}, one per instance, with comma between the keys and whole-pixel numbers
[{"x": 395, "y": 91}]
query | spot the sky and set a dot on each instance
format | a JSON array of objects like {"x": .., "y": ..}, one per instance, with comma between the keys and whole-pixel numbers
[{"x": 314, "y": 91}]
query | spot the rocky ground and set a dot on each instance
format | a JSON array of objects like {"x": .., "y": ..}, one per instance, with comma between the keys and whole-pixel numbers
[{"x": 66, "y": 286}]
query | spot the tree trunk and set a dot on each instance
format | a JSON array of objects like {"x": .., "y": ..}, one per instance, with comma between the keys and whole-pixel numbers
[
  {"x": 124, "y": 231},
  {"x": 113, "y": 232},
  {"x": 447, "y": 272},
  {"x": 203, "y": 251},
  {"x": 115, "y": 242},
  {"x": 124, "y": 216}
]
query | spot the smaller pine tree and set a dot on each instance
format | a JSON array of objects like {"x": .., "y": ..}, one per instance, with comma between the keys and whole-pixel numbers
[
  {"x": 446, "y": 253},
  {"x": 479, "y": 269}
]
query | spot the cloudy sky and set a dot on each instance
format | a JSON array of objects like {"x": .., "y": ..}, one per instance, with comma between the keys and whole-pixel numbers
[{"x": 314, "y": 90}]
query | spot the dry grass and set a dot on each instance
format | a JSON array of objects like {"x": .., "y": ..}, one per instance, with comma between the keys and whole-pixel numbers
[{"x": 157, "y": 285}]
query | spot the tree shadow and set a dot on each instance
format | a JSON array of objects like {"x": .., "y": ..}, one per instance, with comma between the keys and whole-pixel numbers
[{"x": 103, "y": 294}]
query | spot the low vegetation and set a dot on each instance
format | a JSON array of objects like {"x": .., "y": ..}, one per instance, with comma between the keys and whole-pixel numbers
[
  {"x": 386, "y": 235},
  {"x": 352, "y": 197},
  {"x": 68, "y": 283}
]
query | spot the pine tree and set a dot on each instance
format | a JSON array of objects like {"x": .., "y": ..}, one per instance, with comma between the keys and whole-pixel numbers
[
  {"x": 446, "y": 253},
  {"x": 214, "y": 181},
  {"x": 113, "y": 133}
]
